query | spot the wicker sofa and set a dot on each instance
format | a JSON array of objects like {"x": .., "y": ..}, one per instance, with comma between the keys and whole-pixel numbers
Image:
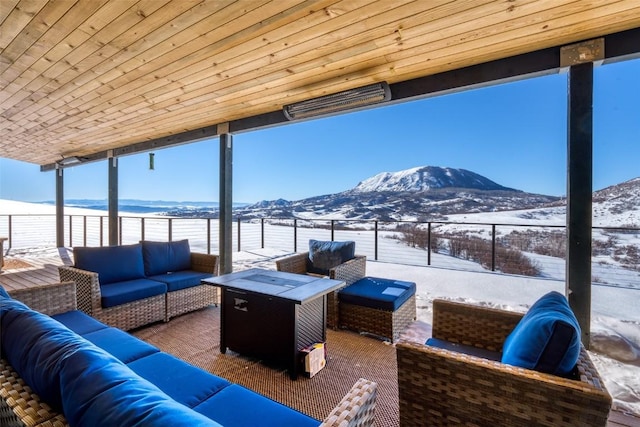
[
  {"x": 439, "y": 386},
  {"x": 348, "y": 271},
  {"x": 166, "y": 278},
  {"x": 60, "y": 367}
]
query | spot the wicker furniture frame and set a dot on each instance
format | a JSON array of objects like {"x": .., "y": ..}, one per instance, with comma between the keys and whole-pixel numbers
[
  {"x": 194, "y": 298},
  {"x": 349, "y": 272},
  {"x": 21, "y": 407},
  {"x": 382, "y": 323},
  {"x": 438, "y": 387},
  {"x": 148, "y": 310}
]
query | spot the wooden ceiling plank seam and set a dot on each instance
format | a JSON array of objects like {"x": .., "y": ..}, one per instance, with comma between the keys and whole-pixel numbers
[
  {"x": 344, "y": 54},
  {"x": 626, "y": 19},
  {"x": 348, "y": 77},
  {"x": 430, "y": 48},
  {"x": 110, "y": 101},
  {"x": 134, "y": 79},
  {"x": 128, "y": 90},
  {"x": 39, "y": 24},
  {"x": 16, "y": 21},
  {"x": 55, "y": 33},
  {"x": 93, "y": 49},
  {"x": 314, "y": 55},
  {"x": 158, "y": 89},
  {"x": 24, "y": 67},
  {"x": 6, "y": 9},
  {"x": 172, "y": 95},
  {"x": 72, "y": 86},
  {"x": 80, "y": 35}
]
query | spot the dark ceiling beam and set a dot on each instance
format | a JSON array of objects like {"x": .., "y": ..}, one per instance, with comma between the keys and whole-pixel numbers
[{"x": 618, "y": 46}]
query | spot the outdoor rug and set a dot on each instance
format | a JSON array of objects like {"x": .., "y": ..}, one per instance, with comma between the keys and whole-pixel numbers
[{"x": 194, "y": 337}]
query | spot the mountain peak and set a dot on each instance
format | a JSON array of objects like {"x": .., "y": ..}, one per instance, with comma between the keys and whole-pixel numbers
[{"x": 426, "y": 178}]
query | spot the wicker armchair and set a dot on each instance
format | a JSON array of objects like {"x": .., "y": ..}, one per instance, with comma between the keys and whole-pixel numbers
[
  {"x": 349, "y": 271},
  {"x": 439, "y": 387}
]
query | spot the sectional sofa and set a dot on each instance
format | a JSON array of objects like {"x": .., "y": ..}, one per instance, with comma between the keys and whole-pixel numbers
[
  {"x": 61, "y": 367},
  {"x": 128, "y": 286}
]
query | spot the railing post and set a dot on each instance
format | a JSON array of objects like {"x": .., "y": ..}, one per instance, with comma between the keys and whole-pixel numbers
[
  {"x": 71, "y": 230},
  {"x": 332, "y": 230},
  {"x": 375, "y": 237},
  {"x": 101, "y": 231},
  {"x": 170, "y": 231},
  {"x": 295, "y": 235},
  {"x": 142, "y": 233},
  {"x": 119, "y": 230},
  {"x": 10, "y": 226},
  {"x": 238, "y": 234},
  {"x": 262, "y": 232},
  {"x": 428, "y": 243},
  {"x": 84, "y": 230},
  {"x": 209, "y": 235},
  {"x": 493, "y": 247}
]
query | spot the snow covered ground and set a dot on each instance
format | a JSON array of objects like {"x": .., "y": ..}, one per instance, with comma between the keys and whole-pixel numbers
[{"x": 615, "y": 321}]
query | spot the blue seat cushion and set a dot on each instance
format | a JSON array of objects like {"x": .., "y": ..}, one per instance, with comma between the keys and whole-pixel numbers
[
  {"x": 79, "y": 322},
  {"x": 235, "y": 406},
  {"x": 183, "y": 382},
  {"x": 165, "y": 257},
  {"x": 181, "y": 279},
  {"x": 112, "y": 263},
  {"x": 547, "y": 338},
  {"x": 375, "y": 292},
  {"x": 119, "y": 293},
  {"x": 120, "y": 344},
  {"x": 325, "y": 255},
  {"x": 101, "y": 391}
]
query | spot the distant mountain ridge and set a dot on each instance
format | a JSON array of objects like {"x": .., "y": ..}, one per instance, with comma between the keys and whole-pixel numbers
[{"x": 412, "y": 194}]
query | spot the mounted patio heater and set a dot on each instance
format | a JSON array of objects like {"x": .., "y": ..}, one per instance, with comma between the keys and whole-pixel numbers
[{"x": 341, "y": 101}]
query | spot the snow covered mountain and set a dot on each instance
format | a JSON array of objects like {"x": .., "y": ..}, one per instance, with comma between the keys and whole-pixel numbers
[
  {"x": 414, "y": 194},
  {"x": 427, "y": 178}
]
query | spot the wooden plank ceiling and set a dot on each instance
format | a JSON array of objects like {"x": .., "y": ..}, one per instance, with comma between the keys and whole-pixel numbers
[{"x": 83, "y": 76}]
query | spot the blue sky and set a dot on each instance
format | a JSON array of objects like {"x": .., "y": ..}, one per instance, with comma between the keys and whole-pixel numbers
[{"x": 514, "y": 134}]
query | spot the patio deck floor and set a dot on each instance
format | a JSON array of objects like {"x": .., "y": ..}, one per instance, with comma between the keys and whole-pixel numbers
[{"x": 355, "y": 356}]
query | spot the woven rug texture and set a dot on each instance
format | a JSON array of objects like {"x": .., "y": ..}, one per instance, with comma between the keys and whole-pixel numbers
[{"x": 194, "y": 337}]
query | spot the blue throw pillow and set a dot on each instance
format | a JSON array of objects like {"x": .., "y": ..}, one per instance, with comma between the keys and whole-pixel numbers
[
  {"x": 165, "y": 257},
  {"x": 547, "y": 338},
  {"x": 112, "y": 263},
  {"x": 323, "y": 256}
]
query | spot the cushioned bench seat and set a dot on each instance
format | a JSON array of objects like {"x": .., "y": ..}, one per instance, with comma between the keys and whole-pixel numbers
[{"x": 378, "y": 306}]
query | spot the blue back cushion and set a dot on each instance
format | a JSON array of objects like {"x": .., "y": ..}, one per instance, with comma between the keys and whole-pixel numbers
[
  {"x": 35, "y": 344},
  {"x": 164, "y": 257},
  {"x": 112, "y": 263},
  {"x": 547, "y": 338},
  {"x": 324, "y": 255}
]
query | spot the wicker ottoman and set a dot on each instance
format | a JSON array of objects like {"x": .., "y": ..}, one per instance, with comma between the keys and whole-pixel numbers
[{"x": 381, "y": 307}]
